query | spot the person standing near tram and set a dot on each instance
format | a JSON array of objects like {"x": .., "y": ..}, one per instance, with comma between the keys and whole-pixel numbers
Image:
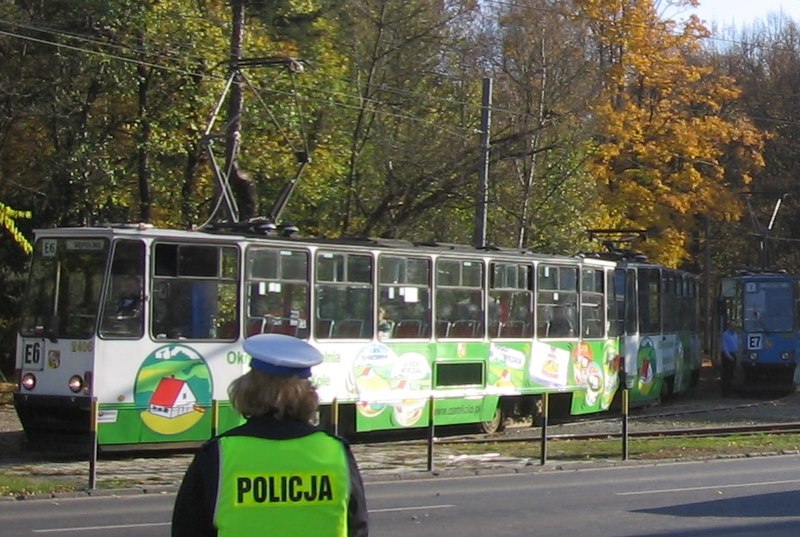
[
  {"x": 730, "y": 347},
  {"x": 277, "y": 474}
]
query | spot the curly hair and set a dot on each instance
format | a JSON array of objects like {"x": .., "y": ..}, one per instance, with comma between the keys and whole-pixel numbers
[{"x": 257, "y": 394}]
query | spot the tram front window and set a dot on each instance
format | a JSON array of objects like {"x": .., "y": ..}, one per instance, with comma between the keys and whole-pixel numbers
[
  {"x": 769, "y": 307},
  {"x": 64, "y": 288}
]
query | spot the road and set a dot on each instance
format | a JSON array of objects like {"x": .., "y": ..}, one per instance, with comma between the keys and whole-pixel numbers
[{"x": 732, "y": 498}]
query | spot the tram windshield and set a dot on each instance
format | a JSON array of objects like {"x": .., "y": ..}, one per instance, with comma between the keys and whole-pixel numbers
[
  {"x": 768, "y": 307},
  {"x": 64, "y": 288}
]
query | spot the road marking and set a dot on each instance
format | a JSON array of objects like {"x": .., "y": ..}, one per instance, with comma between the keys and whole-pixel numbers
[
  {"x": 709, "y": 487},
  {"x": 98, "y": 528},
  {"x": 415, "y": 508}
]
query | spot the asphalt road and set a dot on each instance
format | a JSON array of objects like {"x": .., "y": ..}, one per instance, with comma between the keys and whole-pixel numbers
[{"x": 732, "y": 498}]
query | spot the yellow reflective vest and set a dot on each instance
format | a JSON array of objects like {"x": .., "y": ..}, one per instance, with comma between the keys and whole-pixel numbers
[{"x": 298, "y": 486}]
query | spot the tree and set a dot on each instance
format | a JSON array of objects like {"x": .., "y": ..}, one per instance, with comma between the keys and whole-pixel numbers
[
  {"x": 411, "y": 149},
  {"x": 670, "y": 141},
  {"x": 542, "y": 195},
  {"x": 764, "y": 61}
]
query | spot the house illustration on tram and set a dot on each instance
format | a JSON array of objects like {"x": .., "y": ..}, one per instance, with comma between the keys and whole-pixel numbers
[{"x": 172, "y": 398}]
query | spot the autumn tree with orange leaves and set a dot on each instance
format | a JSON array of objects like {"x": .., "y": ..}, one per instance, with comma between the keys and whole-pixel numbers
[{"x": 670, "y": 145}]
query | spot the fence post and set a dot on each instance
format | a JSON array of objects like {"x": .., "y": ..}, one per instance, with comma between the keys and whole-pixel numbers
[
  {"x": 335, "y": 416},
  {"x": 431, "y": 433},
  {"x": 545, "y": 415},
  {"x": 93, "y": 446},
  {"x": 214, "y": 417},
  {"x": 625, "y": 408}
]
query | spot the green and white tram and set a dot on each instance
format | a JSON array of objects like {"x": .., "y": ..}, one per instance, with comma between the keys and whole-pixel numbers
[{"x": 149, "y": 324}]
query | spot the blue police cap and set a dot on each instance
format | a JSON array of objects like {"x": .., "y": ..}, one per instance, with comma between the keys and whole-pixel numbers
[{"x": 282, "y": 355}]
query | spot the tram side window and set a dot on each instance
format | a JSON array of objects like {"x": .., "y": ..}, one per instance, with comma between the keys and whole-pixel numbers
[
  {"x": 649, "y": 285},
  {"x": 616, "y": 302},
  {"x": 688, "y": 316},
  {"x": 459, "y": 298},
  {"x": 592, "y": 312},
  {"x": 277, "y": 291},
  {"x": 195, "y": 292},
  {"x": 631, "y": 305},
  {"x": 122, "y": 312},
  {"x": 557, "y": 292},
  {"x": 671, "y": 297},
  {"x": 404, "y": 297},
  {"x": 343, "y": 289},
  {"x": 511, "y": 301}
]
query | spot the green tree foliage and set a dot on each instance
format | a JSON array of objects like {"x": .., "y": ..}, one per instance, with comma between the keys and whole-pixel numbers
[
  {"x": 409, "y": 148},
  {"x": 116, "y": 130}
]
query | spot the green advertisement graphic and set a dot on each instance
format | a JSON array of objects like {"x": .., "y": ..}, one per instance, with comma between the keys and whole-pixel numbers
[
  {"x": 646, "y": 367},
  {"x": 173, "y": 389},
  {"x": 506, "y": 367},
  {"x": 392, "y": 386}
]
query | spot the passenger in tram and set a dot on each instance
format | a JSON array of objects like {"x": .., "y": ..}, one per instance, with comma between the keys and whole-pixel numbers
[
  {"x": 385, "y": 326},
  {"x": 277, "y": 474},
  {"x": 560, "y": 326}
]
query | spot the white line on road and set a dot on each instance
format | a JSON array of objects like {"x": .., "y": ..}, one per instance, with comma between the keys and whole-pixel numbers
[
  {"x": 414, "y": 508},
  {"x": 98, "y": 528},
  {"x": 129, "y": 526},
  {"x": 708, "y": 487}
]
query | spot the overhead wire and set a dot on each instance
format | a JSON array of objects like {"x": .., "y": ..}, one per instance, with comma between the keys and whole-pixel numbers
[{"x": 337, "y": 94}]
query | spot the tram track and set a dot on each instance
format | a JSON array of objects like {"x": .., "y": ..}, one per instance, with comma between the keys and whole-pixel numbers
[
  {"x": 738, "y": 430},
  {"x": 703, "y": 417}
]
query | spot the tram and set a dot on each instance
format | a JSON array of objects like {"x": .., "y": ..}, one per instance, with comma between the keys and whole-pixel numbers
[
  {"x": 762, "y": 306},
  {"x": 139, "y": 330}
]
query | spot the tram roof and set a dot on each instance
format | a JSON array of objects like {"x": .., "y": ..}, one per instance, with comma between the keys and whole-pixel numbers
[{"x": 228, "y": 235}]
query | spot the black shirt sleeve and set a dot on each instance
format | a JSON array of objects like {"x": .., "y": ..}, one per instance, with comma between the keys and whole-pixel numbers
[
  {"x": 193, "y": 515},
  {"x": 357, "y": 510}
]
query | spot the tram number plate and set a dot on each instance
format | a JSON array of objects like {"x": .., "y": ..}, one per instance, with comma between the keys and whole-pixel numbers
[
  {"x": 754, "y": 342},
  {"x": 32, "y": 356}
]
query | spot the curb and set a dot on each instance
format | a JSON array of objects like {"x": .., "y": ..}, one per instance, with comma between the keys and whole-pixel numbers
[{"x": 531, "y": 467}]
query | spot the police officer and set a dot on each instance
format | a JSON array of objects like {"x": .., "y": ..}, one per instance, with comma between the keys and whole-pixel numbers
[{"x": 277, "y": 474}]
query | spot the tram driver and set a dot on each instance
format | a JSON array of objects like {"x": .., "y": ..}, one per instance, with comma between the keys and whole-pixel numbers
[{"x": 123, "y": 310}]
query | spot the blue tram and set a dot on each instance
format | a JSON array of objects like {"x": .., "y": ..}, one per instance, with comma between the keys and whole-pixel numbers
[{"x": 763, "y": 309}]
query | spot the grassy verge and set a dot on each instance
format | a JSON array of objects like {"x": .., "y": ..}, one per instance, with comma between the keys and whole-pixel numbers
[
  {"x": 15, "y": 485},
  {"x": 643, "y": 449}
]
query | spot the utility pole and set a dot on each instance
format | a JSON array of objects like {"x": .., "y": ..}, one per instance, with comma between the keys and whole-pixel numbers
[
  {"x": 482, "y": 201},
  {"x": 241, "y": 184}
]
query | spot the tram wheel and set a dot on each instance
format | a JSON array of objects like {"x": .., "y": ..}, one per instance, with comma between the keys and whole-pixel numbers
[{"x": 496, "y": 424}]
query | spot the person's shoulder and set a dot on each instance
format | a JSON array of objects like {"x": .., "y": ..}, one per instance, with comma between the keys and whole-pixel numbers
[{"x": 334, "y": 437}]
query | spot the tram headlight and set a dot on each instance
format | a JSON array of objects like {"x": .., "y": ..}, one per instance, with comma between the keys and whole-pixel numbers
[
  {"x": 28, "y": 381},
  {"x": 753, "y": 356},
  {"x": 75, "y": 383},
  {"x": 786, "y": 356}
]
